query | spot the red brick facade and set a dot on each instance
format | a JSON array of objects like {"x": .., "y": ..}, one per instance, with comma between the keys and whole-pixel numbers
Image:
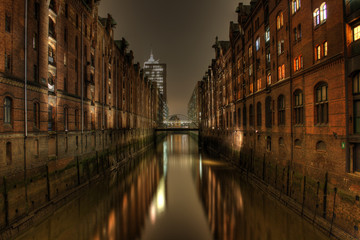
[{"x": 280, "y": 94}]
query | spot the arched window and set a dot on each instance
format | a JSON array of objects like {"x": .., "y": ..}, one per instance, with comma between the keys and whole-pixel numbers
[
  {"x": 258, "y": 114},
  {"x": 244, "y": 116},
  {"x": 36, "y": 115},
  {"x": 52, "y": 5},
  {"x": 295, "y": 5},
  {"x": 7, "y": 110},
  {"x": 251, "y": 115},
  {"x": 268, "y": 112},
  {"x": 323, "y": 12},
  {"x": 316, "y": 15},
  {"x": 66, "y": 119},
  {"x": 279, "y": 20},
  {"x": 281, "y": 110},
  {"x": 321, "y": 104},
  {"x": 298, "y": 107},
  {"x": 8, "y": 153},
  {"x": 320, "y": 146}
]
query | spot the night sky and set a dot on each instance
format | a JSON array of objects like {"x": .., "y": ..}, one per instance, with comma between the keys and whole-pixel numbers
[{"x": 180, "y": 33}]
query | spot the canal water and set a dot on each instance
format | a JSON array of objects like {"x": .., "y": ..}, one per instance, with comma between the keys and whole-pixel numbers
[{"x": 173, "y": 191}]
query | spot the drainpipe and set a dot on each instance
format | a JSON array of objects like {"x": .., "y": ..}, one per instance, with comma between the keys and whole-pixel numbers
[
  {"x": 25, "y": 96},
  {"x": 347, "y": 147}
]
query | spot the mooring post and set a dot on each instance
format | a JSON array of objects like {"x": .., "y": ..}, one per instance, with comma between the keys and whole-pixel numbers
[
  {"x": 333, "y": 213},
  {"x": 303, "y": 200}
]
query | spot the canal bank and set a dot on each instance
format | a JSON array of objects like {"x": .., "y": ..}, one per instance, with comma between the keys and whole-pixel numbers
[
  {"x": 174, "y": 192},
  {"x": 63, "y": 177},
  {"x": 318, "y": 197}
]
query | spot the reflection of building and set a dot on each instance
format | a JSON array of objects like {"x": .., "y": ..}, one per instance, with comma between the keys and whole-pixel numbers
[{"x": 155, "y": 72}]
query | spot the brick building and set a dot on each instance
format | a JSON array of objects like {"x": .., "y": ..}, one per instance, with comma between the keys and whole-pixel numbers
[
  {"x": 281, "y": 95},
  {"x": 81, "y": 101}
]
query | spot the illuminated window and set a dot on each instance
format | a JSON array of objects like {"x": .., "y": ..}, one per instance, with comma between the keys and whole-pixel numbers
[
  {"x": 250, "y": 51},
  {"x": 298, "y": 63},
  {"x": 267, "y": 34},
  {"x": 279, "y": 20},
  {"x": 258, "y": 84},
  {"x": 325, "y": 49},
  {"x": 323, "y": 12},
  {"x": 283, "y": 71},
  {"x": 251, "y": 89},
  {"x": 295, "y": 5},
  {"x": 280, "y": 47},
  {"x": 316, "y": 15},
  {"x": 257, "y": 44},
  {"x": 250, "y": 69},
  {"x": 356, "y": 32},
  {"x": 268, "y": 79},
  {"x": 318, "y": 52}
]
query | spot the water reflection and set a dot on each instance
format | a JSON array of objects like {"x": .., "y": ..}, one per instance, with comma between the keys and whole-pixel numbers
[
  {"x": 173, "y": 192},
  {"x": 235, "y": 210}
]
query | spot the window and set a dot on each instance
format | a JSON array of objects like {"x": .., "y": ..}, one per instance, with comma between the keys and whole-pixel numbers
[
  {"x": 258, "y": 114},
  {"x": 8, "y": 153},
  {"x": 318, "y": 52},
  {"x": 250, "y": 69},
  {"x": 66, "y": 118},
  {"x": 66, "y": 10},
  {"x": 356, "y": 33},
  {"x": 7, "y": 110},
  {"x": 316, "y": 16},
  {"x": 298, "y": 63},
  {"x": 299, "y": 32},
  {"x": 244, "y": 116},
  {"x": 52, "y": 28},
  {"x": 239, "y": 117},
  {"x": 281, "y": 72},
  {"x": 7, "y": 23},
  {"x": 281, "y": 141},
  {"x": 36, "y": 115},
  {"x": 268, "y": 79},
  {"x": 297, "y": 143},
  {"x": 258, "y": 84},
  {"x": 267, "y": 34},
  {"x": 34, "y": 41},
  {"x": 7, "y": 62},
  {"x": 65, "y": 35},
  {"x": 320, "y": 146},
  {"x": 268, "y": 143},
  {"x": 280, "y": 47},
  {"x": 251, "y": 115},
  {"x": 257, "y": 44},
  {"x": 298, "y": 107},
  {"x": 250, "y": 51},
  {"x": 323, "y": 12},
  {"x": 36, "y": 10},
  {"x": 51, "y": 118},
  {"x": 77, "y": 119},
  {"x": 268, "y": 112},
  {"x": 281, "y": 110},
  {"x": 321, "y": 104},
  {"x": 279, "y": 20},
  {"x": 295, "y": 34},
  {"x": 77, "y": 21},
  {"x": 251, "y": 89},
  {"x": 356, "y": 84},
  {"x": 325, "y": 49},
  {"x": 295, "y": 6},
  {"x": 65, "y": 59}
]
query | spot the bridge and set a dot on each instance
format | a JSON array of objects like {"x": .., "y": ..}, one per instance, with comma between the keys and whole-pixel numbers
[{"x": 178, "y": 122}]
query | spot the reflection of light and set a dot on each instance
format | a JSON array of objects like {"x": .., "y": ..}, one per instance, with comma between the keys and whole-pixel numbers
[
  {"x": 111, "y": 225},
  {"x": 165, "y": 157},
  {"x": 158, "y": 203},
  {"x": 200, "y": 166}
]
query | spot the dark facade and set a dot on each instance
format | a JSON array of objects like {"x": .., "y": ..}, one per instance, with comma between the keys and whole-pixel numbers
[{"x": 281, "y": 95}]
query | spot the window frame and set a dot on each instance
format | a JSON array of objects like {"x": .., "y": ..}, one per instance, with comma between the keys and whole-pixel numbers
[
  {"x": 322, "y": 104},
  {"x": 298, "y": 107},
  {"x": 8, "y": 106}
]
